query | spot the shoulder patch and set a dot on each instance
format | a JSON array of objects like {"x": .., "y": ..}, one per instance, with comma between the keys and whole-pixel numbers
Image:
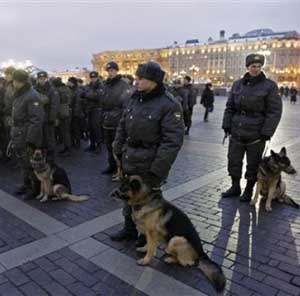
[{"x": 177, "y": 115}]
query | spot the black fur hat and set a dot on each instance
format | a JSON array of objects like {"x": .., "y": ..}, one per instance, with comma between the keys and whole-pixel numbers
[
  {"x": 151, "y": 71},
  {"x": 254, "y": 58},
  {"x": 73, "y": 80},
  {"x": 21, "y": 76},
  {"x": 112, "y": 65},
  {"x": 94, "y": 74},
  {"x": 42, "y": 74}
]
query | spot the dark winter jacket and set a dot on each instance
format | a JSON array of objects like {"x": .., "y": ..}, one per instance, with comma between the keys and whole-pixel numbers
[
  {"x": 150, "y": 133},
  {"x": 253, "y": 109},
  {"x": 28, "y": 117},
  {"x": 93, "y": 95},
  {"x": 50, "y": 99},
  {"x": 77, "y": 108},
  {"x": 207, "y": 98},
  {"x": 192, "y": 95},
  {"x": 116, "y": 95}
]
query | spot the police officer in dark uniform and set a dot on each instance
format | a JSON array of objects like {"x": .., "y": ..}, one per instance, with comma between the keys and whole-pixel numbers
[
  {"x": 252, "y": 114},
  {"x": 7, "y": 105},
  {"x": 93, "y": 96},
  {"x": 116, "y": 95},
  {"x": 64, "y": 115},
  {"x": 49, "y": 97},
  {"x": 192, "y": 97},
  {"x": 27, "y": 129},
  {"x": 149, "y": 136}
]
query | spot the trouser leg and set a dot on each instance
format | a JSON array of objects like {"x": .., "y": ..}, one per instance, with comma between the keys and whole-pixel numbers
[
  {"x": 254, "y": 154},
  {"x": 235, "y": 157},
  {"x": 109, "y": 136}
]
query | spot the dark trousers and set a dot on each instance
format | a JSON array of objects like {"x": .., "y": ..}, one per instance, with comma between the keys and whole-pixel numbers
[
  {"x": 236, "y": 153},
  {"x": 109, "y": 136},
  {"x": 4, "y": 139},
  {"x": 94, "y": 125},
  {"x": 76, "y": 130},
  {"x": 29, "y": 179},
  {"x": 206, "y": 114},
  {"x": 49, "y": 141},
  {"x": 64, "y": 131}
]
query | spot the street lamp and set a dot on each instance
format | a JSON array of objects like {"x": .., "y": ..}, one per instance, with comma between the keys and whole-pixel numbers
[{"x": 194, "y": 70}]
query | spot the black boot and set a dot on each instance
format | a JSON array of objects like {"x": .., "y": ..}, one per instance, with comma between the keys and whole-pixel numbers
[
  {"x": 234, "y": 190},
  {"x": 109, "y": 170},
  {"x": 247, "y": 194},
  {"x": 187, "y": 131},
  {"x": 90, "y": 148},
  {"x": 20, "y": 190},
  {"x": 30, "y": 194},
  {"x": 128, "y": 232}
]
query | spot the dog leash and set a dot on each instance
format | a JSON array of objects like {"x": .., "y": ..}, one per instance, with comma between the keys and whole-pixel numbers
[{"x": 266, "y": 148}]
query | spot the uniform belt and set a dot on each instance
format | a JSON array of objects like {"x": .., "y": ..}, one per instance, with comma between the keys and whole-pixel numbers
[
  {"x": 248, "y": 113},
  {"x": 140, "y": 144}
]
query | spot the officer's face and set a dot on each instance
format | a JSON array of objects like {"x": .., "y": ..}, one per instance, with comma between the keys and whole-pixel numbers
[
  {"x": 94, "y": 80},
  {"x": 143, "y": 84},
  {"x": 112, "y": 73},
  {"x": 254, "y": 69},
  {"x": 18, "y": 85},
  {"x": 42, "y": 80}
]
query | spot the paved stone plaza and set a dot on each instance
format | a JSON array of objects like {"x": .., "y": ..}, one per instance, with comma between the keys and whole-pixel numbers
[{"x": 63, "y": 248}]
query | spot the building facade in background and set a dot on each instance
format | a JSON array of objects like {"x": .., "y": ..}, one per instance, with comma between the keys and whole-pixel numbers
[
  {"x": 221, "y": 61},
  {"x": 78, "y": 73}
]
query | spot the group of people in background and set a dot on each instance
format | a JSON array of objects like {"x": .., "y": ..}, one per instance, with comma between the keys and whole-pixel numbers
[{"x": 286, "y": 92}]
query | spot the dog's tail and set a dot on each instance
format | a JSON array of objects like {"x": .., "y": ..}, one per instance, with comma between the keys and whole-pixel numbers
[
  {"x": 76, "y": 198},
  {"x": 213, "y": 272},
  {"x": 289, "y": 201}
]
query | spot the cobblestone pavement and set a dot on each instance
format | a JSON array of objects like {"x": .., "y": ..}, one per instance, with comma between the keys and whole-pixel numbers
[{"x": 63, "y": 248}]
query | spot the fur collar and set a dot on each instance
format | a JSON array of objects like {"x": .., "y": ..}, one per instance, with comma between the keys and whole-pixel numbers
[
  {"x": 113, "y": 81},
  {"x": 250, "y": 80},
  {"x": 156, "y": 92}
]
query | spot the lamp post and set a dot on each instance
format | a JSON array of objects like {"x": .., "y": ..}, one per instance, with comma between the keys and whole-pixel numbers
[{"x": 194, "y": 70}]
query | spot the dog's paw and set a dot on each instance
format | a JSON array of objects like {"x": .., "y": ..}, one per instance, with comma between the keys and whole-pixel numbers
[
  {"x": 142, "y": 249},
  {"x": 143, "y": 261},
  {"x": 40, "y": 196},
  {"x": 170, "y": 260},
  {"x": 268, "y": 208},
  {"x": 44, "y": 199}
]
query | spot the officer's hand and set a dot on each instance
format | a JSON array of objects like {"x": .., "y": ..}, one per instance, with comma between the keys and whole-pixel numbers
[
  {"x": 265, "y": 138},
  {"x": 227, "y": 131}
]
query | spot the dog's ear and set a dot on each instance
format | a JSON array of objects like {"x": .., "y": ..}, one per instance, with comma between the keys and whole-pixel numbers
[
  {"x": 135, "y": 185},
  {"x": 282, "y": 152},
  {"x": 273, "y": 153}
]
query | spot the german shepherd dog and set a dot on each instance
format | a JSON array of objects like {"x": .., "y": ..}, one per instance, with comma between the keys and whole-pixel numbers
[
  {"x": 54, "y": 181},
  {"x": 162, "y": 222},
  {"x": 269, "y": 181}
]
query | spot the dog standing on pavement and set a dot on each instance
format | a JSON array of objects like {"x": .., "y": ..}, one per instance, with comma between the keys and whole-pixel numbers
[
  {"x": 269, "y": 180},
  {"x": 162, "y": 222},
  {"x": 54, "y": 181}
]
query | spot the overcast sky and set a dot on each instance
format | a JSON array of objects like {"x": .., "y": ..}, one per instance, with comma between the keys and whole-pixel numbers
[{"x": 58, "y": 35}]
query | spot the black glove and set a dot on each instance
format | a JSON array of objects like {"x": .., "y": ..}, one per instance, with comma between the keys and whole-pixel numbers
[
  {"x": 265, "y": 138},
  {"x": 152, "y": 180},
  {"x": 119, "y": 157},
  {"x": 227, "y": 131}
]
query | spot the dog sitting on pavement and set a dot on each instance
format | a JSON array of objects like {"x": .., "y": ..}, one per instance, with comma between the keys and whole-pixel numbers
[
  {"x": 54, "y": 181},
  {"x": 162, "y": 222},
  {"x": 269, "y": 180}
]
